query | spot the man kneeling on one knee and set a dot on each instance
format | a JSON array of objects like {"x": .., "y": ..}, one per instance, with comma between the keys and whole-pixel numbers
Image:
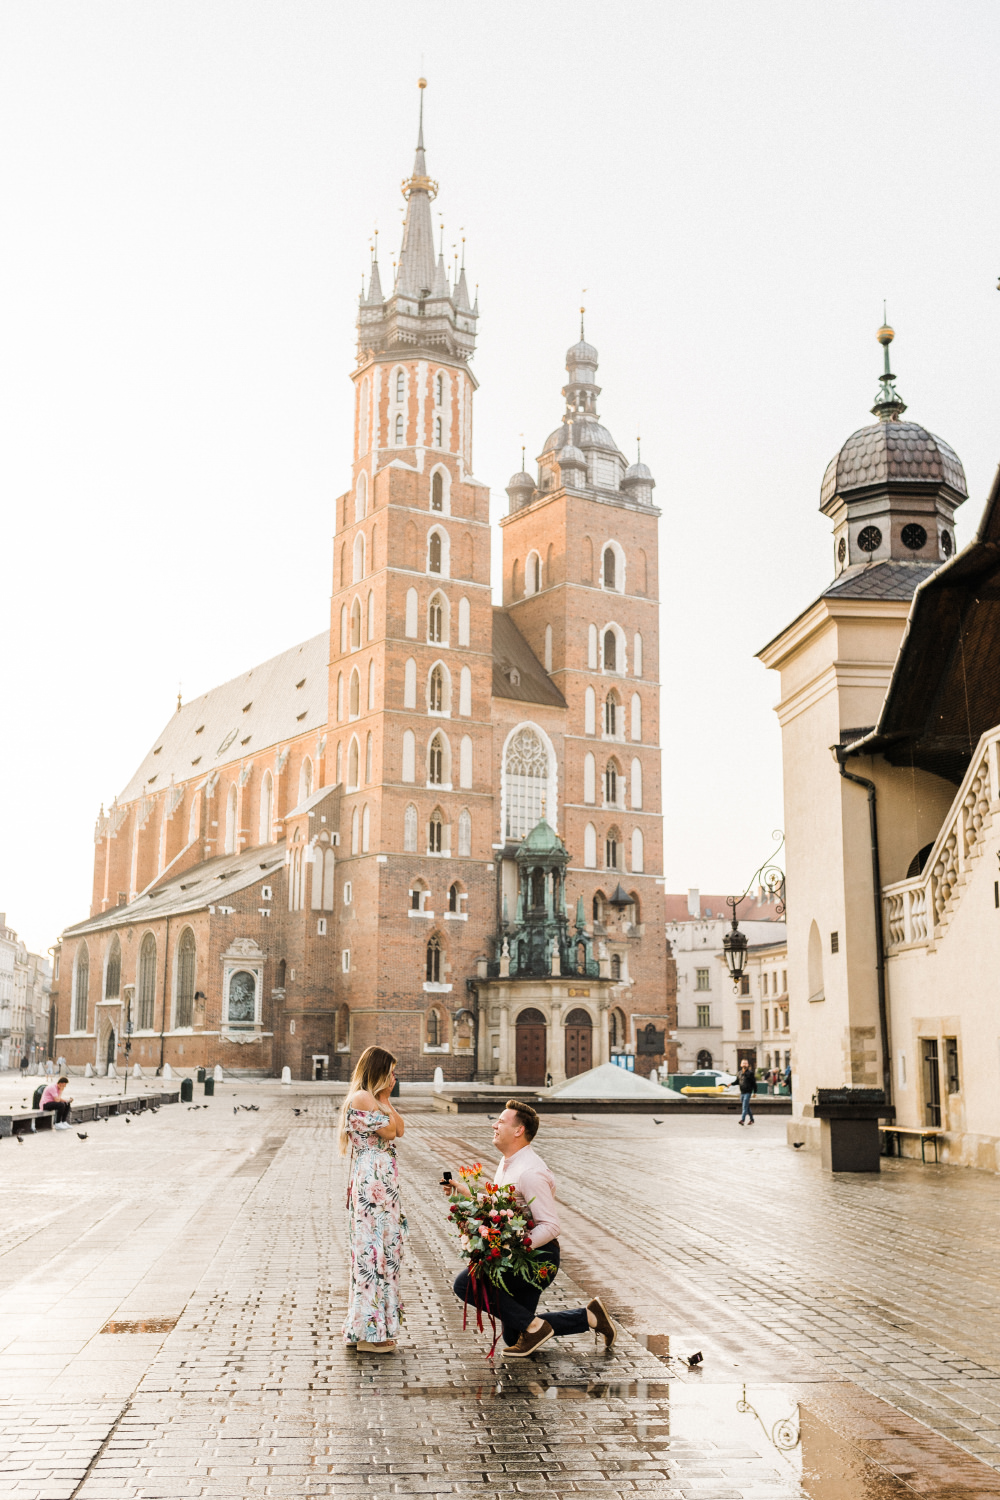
[{"x": 521, "y": 1166}]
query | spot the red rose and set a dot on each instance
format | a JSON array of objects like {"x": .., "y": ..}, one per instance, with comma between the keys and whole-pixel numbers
[{"x": 527, "y": 1243}]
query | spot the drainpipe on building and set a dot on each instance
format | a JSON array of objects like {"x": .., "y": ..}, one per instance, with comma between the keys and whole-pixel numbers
[{"x": 883, "y": 1008}]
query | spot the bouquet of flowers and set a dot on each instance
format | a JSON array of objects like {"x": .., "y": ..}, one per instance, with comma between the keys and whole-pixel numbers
[{"x": 494, "y": 1232}]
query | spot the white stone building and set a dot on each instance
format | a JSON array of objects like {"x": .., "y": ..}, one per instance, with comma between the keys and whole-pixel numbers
[
  {"x": 706, "y": 1010},
  {"x": 8, "y": 948},
  {"x": 757, "y": 1017}
]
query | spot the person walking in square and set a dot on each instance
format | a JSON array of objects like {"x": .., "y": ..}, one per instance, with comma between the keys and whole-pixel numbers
[
  {"x": 524, "y": 1331},
  {"x": 748, "y": 1087},
  {"x": 376, "y": 1225}
]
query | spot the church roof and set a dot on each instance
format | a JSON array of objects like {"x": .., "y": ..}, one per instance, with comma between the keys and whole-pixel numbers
[
  {"x": 890, "y": 579},
  {"x": 276, "y": 701},
  {"x": 888, "y": 453},
  {"x": 208, "y": 884},
  {"x": 517, "y": 672}
]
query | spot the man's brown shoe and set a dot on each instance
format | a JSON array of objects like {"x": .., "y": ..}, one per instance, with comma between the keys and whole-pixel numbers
[
  {"x": 603, "y": 1324},
  {"x": 528, "y": 1342}
]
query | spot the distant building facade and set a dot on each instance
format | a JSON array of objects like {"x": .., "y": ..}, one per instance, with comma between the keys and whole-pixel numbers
[
  {"x": 25, "y": 993},
  {"x": 757, "y": 1021},
  {"x": 328, "y": 851},
  {"x": 707, "y": 1011}
]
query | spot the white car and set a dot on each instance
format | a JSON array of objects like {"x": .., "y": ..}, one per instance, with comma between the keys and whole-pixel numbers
[{"x": 713, "y": 1075}]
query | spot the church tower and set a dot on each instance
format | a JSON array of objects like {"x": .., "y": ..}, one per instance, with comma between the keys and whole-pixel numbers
[
  {"x": 410, "y": 664},
  {"x": 580, "y": 583}
]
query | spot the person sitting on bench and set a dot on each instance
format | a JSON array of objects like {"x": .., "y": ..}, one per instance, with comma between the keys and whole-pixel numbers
[{"x": 53, "y": 1100}]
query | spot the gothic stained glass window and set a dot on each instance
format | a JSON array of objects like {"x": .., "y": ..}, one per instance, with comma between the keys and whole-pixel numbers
[
  {"x": 435, "y": 630},
  {"x": 435, "y": 831},
  {"x": 434, "y": 962},
  {"x": 526, "y": 779},
  {"x": 610, "y": 651},
  {"x": 242, "y": 999},
  {"x": 400, "y": 385},
  {"x": 436, "y": 766},
  {"x": 81, "y": 989},
  {"x": 113, "y": 973},
  {"x": 185, "y": 978},
  {"x": 434, "y": 552},
  {"x": 436, "y": 695},
  {"x": 437, "y": 491},
  {"x": 147, "y": 982}
]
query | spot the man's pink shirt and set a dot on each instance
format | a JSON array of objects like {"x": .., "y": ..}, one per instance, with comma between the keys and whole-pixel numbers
[{"x": 536, "y": 1185}]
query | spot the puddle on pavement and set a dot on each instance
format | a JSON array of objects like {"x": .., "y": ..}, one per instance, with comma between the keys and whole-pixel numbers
[{"x": 673, "y": 1418}]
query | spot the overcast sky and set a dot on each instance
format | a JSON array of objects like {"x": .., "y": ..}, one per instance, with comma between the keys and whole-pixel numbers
[{"x": 187, "y": 192}]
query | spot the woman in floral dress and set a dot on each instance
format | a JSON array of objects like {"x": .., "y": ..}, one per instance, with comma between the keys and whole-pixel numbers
[{"x": 369, "y": 1128}]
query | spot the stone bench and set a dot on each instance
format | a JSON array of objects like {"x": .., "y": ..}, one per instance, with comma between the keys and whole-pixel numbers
[
  {"x": 25, "y": 1121},
  {"x": 893, "y": 1135}
]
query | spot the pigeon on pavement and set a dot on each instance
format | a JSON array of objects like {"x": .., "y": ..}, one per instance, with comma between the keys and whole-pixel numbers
[{"x": 82, "y": 1135}]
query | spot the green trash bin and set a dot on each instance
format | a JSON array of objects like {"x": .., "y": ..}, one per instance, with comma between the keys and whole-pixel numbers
[
  {"x": 209, "y": 1087},
  {"x": 395, "y": 1090},
  {"x": 201, "y": 1075},
  {"x": 187, "y": 1090}
]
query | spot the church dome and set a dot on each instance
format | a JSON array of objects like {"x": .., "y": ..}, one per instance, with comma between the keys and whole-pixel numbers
[
  {"x": 584, "y": 433},
  {"x": 639, "y": 474},
  {"x": 520, "y": 481},
  {"x": 571, "y": 457},
  {"x": 892, "y": 453},
  {"x": 581, "y": 353}
]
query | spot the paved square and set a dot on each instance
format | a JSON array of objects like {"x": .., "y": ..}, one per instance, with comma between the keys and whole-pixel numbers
[{"x": 171, "y": 1292}]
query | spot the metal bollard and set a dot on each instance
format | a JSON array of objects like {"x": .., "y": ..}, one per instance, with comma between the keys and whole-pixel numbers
[
  {"x": 201, "y": 1075},
  {"x": 209, "y": 1087},
  {"x": 187, "y": 1090}
]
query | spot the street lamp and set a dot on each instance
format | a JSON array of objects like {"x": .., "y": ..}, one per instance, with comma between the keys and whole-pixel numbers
[{"x": 772, "y": 877}]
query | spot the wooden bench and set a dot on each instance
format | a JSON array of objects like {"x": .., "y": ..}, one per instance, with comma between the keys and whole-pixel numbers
[
  {"x": 24, "y": 1121},
  {"x": 894, "y": 1135}
]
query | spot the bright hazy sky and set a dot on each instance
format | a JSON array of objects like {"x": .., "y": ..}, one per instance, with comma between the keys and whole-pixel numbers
[{"x": 188, "y": 189}]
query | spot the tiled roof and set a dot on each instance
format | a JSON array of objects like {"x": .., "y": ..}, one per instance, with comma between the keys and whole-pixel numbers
[
  {"x": 892, "y": 452},
  {"x": 517, "y": 672},
  {"x": 751, "y": 910},
  {"x": 881, "y": 580},
  {"x": 207, "y": 884},
  {"x": 240, "y": 719}
]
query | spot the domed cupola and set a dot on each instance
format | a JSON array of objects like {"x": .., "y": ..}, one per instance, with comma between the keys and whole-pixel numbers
[
  {"x": 893, "y": 488},
  {"x": 521, "y": 489},
  {"x": 638, "y": 482}
]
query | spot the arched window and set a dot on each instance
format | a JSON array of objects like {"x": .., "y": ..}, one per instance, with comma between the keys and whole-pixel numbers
[
  {"x": 280, "y": 974},
  {"x": 410, "y": 683},
  {"x": 81, "y": 988},
  {"x": 266, "y": 804},
  {"x": 465, "y": 692},
  {"x": 356, "y": 625},
  {"x": 637, "y": 851},
  {"x": 611, "y": 842},
  {"x": 436, "y": 691},
  {"x": 636, "y": 908},
  {"x": 113, "y": 971},
  {"x": 590, "y": 846},
  {"x": 587, "y": 561},
  {"x": 340, "y": 762},
  {"x": 305, "y": 779},
  {"x": 616, "y": 966},
  {"x": 434, "y": 962},
  {"x": 399, "y": 430},
  {"x": 437, "y": 490},
  {"x": 361, "y": 498},
  {"x": 230, "y": 844},
  {"x": 343, "y": 627},
  {"x": 704, "y": 1059},
  {"x": 146, "y": 989},
  {"x": 359, "y": 557},
  {"x": 589, "y": 778},
  {"x": 592, "y": 647},
  {"x": 435, "y": 618},
  {"x": 438, "y": 433},
  {"x": 611, "y": 714},
  {"x": 435, "y": 833},
  {"x": 597, "y": 907},
  {"x": 194, "y": 820},
  {"x": 434, "y": 552},
  {"x": 464, "y": 614},
  {"x": 371, "y": 684},
  {"x": 454, "y": 898},
  {"x": 352, "y": 766},
  {"x": 515, "y": 576},
  {"x": 637, "y": 655},
  {"x": 433, "y": 1017},
  {"x": 184, "y": 995},
  {"x": 548, "y": 648},
  {"x": 465, "y": 763},
  {"x": 532, "y": 574},
  {"x": 410, "y": 829},
  {"x": 611, "y": 784},
  {"x": 355, "y": 831},
  {"x": 371, "y": 615},
  {"x": 439, "y": 390},
  {"x": 340, "y": 695},
  {"x": 590, "y": 711},
  {"x": 368, "y": 757},
  {"x": 526, "y": 780},
  {"x": 610, "y": 651},
  {"x": 410, "y": 627},
  {"x": 409, "y": 755},
  {"x": 400, "y": 385},
  {"x": 635, "y": 782},
  {"x": 610, "y": 570},
  {"x": 636, "y": 717},
  {"x": 435, "y": 761},
  {"x": 365, "y": 828},
  {"x": 354, "y": 701}
]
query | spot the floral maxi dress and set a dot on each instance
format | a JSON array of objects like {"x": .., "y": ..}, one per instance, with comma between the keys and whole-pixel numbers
[{"x": 375, "y": 1229}]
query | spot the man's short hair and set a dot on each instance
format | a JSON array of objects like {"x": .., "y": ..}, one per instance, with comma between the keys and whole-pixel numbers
[
  {"x": 64, "y": 1080},
  {"x": 527, "y": 1116}
]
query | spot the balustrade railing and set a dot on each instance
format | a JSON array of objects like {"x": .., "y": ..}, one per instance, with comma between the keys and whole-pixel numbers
[{"x": 916, "y": 910}]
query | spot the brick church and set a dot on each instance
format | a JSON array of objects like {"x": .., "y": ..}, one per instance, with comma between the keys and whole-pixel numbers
[{"x": 437, "y": 826}]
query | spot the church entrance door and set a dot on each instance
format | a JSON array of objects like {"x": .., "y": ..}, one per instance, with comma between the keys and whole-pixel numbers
[
  {"x": 579, "y": 1043},
  {"x": 530, "y": 1055}
]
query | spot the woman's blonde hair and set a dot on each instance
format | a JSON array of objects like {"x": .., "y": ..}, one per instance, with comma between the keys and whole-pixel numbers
[{"x": 372, "y": 1072}]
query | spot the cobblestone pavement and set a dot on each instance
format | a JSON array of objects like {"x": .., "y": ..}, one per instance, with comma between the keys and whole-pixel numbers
[{"x": 171, "y": 1292}]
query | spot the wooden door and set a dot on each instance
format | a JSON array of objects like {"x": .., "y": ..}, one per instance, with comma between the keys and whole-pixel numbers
[
  {"x": 578, "y": 1050},
  {"x": 531, "y": 1055}
]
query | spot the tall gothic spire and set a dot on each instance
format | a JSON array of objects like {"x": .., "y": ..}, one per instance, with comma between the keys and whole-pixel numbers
[{"x": 416, "y": 259}]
